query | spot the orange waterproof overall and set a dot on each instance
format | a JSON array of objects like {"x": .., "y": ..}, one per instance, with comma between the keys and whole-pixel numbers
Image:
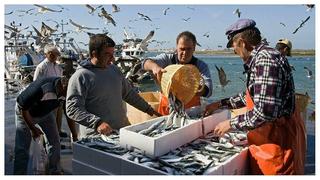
[
  {"x": 164, "y": 104},
  {"x": 277, "y": 147}
]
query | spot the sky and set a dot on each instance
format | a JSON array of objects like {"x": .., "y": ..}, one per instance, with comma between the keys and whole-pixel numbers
[{"x": 212, "y": 19}]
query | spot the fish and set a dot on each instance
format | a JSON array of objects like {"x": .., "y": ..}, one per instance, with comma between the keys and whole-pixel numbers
[{"x": 151, "y": 128}]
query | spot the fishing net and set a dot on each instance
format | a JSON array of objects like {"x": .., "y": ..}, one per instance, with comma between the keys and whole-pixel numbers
[{"x": 182, "y": 81}]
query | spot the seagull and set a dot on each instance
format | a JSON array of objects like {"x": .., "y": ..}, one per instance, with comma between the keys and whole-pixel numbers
[
  {"x": 107, "y": 16},
  {"x": 310, "y": 7},
  {"x": 44, "y": 9},
  {"x": 309, "y": 72},
  {"x": 85, "y": 44},
  {"x": 165, "y": 11},
  {"x": 46, "y": 31},
  {"x": 219, "y": 46},
  {"x": 186, "y": 20},
  {"x": 237, "y": 11},
  {"x": 80, "y": 27},
  {"x": 144, "y": 41},
  {"x": 146, "y": 18},
  {"x": 282, "y": 24},
  {"x": 57, "y": 24},
  {"x": 191, "y": 8},
  {"x": 300, "y": 26},
  {"x": 198, "y": 44},
  {"x": 206, "y": 34},
  {"x": 115, "y": 8},
  {"x": 26, "y": 11},
  {"x": 62, "y": 8},
  {"x": 8, "y": 13},
  {"x": 92, "y": 9},
  {"x": 222, "y": 77}
]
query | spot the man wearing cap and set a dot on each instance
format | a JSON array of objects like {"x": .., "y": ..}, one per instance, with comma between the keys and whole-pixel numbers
[
  {"x": 34, "y": 117},
  {"x": 276, "y": 132},
  {"x": 284, "y": 46},
  {"x": 185, "y": 47}
]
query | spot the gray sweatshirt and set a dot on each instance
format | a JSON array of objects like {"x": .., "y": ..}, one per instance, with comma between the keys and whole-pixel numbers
[{"x": 95, "y": 94}]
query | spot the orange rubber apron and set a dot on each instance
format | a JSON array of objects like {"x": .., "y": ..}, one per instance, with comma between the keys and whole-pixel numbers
[
  {"x": 164, "y": 104},
  {"x": 277, "y": 147}
]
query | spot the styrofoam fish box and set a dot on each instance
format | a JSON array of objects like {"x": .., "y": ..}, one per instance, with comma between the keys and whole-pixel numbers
[
  {"x": 80, "y": 168},
  {"x": 132, "y": 168},
  {"x": 110, "y": 163},
  {"x": 237, "y": 164},
  {"x": 154, "y": 147}
]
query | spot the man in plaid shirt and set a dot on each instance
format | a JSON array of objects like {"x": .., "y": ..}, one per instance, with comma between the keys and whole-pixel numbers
[{"x": 269, "y": 99}]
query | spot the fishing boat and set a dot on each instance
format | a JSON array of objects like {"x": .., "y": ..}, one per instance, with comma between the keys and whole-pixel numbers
[{"x": 129, "y": 56}]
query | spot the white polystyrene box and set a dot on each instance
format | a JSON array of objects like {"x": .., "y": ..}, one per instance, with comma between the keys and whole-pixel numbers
[{"x": 158, "y": 146}]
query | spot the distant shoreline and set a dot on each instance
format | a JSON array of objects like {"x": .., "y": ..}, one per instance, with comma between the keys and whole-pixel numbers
[
  {"x": 294, "y": 52},
  {"x": 227, "y": 52}
]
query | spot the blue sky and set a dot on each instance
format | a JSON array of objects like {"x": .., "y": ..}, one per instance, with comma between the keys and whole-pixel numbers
[{"x": 203, "y": 18}]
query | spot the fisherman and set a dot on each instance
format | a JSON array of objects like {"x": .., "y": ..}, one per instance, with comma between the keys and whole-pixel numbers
[
  {"x": 50, "y": 68},
  {"x": 97, "y": 89},
  {"x": 185, "y": 47},
  {"x": 276, "y": 132},
  {"x": 34, "y": 106},
  {"x": 284, "y": 46}
]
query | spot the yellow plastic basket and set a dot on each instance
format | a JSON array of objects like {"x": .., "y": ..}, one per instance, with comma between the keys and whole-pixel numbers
[{"x": 182, "y": 81}]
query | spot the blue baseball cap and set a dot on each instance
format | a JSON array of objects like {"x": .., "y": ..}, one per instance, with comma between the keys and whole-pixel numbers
[{"x": 237, "y": 27}]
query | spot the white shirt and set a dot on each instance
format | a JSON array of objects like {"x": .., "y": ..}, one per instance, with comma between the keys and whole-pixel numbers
[{"x": 47, "y": 69}]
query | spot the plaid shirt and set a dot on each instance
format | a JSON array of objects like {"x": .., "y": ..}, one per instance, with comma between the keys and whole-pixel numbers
[{"x": 270, "y": 84}]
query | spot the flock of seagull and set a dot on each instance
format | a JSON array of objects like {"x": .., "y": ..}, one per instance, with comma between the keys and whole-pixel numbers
[{"x": 46, "y": 31}]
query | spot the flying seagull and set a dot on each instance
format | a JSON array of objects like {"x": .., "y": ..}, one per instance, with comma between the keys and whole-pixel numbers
[
  {"x": 310, "y": 7},
  {"x": 282, "y": 24},
  {"x": 46, "y": 31},
  {"x": 146, "y": 18},
  {"x": 80, "y": 27},
  {"x": 165, "y": 11},
  {"x": 191, "y": 8},
  {"x": 186, "y": 20},
  {"x": 144, "y": 42},
  {"x": 92, "y": 9},
  {"x": 8, "y": 13},
  {"x": 309, "y": 72},
  {"x": 300, "y": 26},
  {"x": 107, "y": 16},
  {"x": 222, "y": 77},
  {"x": 206, "y": 34},
  {"x": 115, "y": 8},
  {"x": 237, "y": 11},
  {"x": 44, "y": 9}
]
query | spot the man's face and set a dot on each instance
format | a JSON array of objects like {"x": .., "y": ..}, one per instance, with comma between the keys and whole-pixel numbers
[
  {"x": 185, "y": 49},
  {"x": 105, "y": 58},
  {"x": 239, "y": 47},
  {"x": 52, "y": 56}
]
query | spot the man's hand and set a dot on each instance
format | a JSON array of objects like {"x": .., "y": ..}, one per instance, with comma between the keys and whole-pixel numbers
[
  {"x": 104, "y": 128},
  {"x": 157, "y": 72},
  {"x": 36, "y": 132},
  {"x": 211, "y": 108},
  {"x": 222, "y": 128}
]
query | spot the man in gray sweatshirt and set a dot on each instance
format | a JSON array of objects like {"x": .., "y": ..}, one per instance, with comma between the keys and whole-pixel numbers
[{"x": 97, "y": 88}]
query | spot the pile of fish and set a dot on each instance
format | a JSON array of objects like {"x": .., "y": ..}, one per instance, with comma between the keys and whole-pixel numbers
[
  {"x": 110, "y": 143},
  {"x": 177, "y": 118},
  {"x": 196, "y": 157}
]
